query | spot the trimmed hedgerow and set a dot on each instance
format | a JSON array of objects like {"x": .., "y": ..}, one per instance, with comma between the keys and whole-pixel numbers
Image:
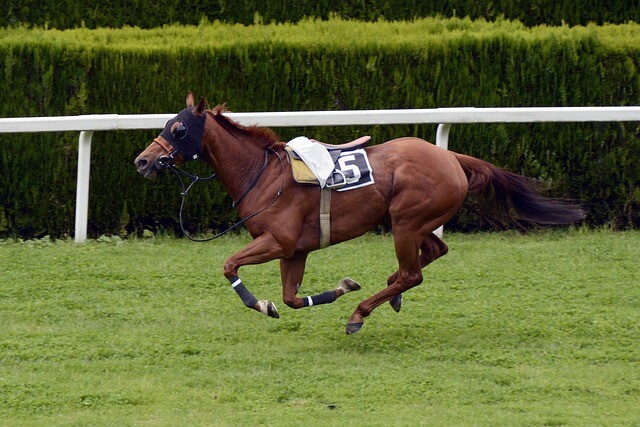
[
  {"x": 314, "y": 65},
  {"x": 65, "y": 14}
]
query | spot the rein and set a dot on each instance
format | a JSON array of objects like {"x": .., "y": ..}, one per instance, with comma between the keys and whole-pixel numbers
[
  {"x": 168, "y": 162},
  {"x": 255, "y": 180}
]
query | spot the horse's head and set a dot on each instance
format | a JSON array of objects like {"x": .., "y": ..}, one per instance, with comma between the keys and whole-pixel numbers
[{"x": 180, "y": 141}]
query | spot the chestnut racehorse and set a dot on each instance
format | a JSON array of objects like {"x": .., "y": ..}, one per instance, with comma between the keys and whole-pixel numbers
[{"x": 418, "y": 187}]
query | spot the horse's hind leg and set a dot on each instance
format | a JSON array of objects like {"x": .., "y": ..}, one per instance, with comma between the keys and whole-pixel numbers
[
  {"x": 431, "y": 248},
  {"x": 292, "y": 272},
  {"x": 409, "y": 274},
  {"x": 413, "y": 255}
]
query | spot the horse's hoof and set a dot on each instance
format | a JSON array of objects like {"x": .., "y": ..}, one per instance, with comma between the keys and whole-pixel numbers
[
  {"x": 352, "y": 328},
  {"x": 349, "y": 285},
  {"x": 396, "y": 303},
  {"x": 268, "y": 308}
]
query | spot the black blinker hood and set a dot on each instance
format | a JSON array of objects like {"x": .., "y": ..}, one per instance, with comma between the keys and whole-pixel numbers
[{"x": 190, "y": 146}]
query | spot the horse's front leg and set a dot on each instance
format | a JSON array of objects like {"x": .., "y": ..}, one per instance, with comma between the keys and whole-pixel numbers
[
  {"x": 264, "y": 248},
  {"x": 292, "y": 272}
]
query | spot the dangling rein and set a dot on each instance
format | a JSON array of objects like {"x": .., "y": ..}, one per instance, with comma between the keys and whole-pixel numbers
[{"x": 195, "y": 178}]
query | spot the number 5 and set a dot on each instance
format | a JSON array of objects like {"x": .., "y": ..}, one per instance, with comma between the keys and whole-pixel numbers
[{"x": 353, "y": 168}]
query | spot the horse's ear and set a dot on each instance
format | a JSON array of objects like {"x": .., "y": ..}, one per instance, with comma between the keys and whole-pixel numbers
[
  {"x": 191, "y": 100},
  {"x": 202, "y": 105}
]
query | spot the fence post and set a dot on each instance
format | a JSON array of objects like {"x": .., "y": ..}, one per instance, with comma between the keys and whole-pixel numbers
[
  {"x": 442, "y": 135},
  {"x": 82, "y": 186},
  {"x": 442, "y": 141}
]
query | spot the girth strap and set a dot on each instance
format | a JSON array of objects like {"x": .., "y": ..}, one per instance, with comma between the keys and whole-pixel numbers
[{"x": 325, "y": 217}]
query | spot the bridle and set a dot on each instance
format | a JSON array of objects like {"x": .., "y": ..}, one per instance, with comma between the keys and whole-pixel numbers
[
  {"x": 164, "y": 161},
  {"x": 168, "y": 162}
]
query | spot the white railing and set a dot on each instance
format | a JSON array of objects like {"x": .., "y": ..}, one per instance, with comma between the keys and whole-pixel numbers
[{"x": 445, "y": 117}]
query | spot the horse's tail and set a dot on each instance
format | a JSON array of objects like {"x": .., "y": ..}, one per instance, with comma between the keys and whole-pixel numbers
[{"x": 515, "y": 196}]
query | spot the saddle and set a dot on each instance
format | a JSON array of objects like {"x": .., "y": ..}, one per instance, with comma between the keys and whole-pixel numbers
[
  {"x": 303, "y": 175},
  {"x": 352, "y": 145}
]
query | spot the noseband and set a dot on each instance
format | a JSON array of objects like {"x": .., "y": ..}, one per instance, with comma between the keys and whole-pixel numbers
[{"x": 163, "y": 162}]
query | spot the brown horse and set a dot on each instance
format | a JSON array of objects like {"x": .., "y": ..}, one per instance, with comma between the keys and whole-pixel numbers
[{"x": 418, "y": 187}]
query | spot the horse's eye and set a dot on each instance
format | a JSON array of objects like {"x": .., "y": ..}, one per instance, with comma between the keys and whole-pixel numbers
[{"x": 181, "y": 131}]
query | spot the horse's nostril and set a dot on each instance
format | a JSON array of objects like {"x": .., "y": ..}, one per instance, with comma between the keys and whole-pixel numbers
[{"x": 142, "y": 164}]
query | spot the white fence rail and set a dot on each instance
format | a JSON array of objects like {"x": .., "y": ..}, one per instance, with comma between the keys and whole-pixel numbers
[{"x": 445, "y": 117}]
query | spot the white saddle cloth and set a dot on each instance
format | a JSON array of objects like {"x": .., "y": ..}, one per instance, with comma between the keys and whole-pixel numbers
[{"x": 315, "y": 156}]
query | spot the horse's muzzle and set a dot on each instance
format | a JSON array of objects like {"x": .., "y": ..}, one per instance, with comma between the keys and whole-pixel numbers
[{"x": 145, "y": 167}]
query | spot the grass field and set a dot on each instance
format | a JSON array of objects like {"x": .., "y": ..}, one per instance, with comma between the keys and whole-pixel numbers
[{"x": 539, "y": 330}]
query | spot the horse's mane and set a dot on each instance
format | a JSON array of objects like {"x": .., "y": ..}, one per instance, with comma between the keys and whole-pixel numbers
[{"x": 262, "y": 136}]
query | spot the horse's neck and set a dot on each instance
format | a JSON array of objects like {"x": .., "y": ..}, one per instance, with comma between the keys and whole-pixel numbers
[{"x": 235, "y": 160}]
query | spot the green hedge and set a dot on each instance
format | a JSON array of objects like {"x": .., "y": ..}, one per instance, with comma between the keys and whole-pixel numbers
[
  {"x": 314, "y": 65},
  {"x": 64, "y": 14}
]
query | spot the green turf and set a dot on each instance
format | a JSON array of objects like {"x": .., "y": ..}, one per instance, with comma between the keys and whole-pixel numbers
[{"x": 508, "y": 329}]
